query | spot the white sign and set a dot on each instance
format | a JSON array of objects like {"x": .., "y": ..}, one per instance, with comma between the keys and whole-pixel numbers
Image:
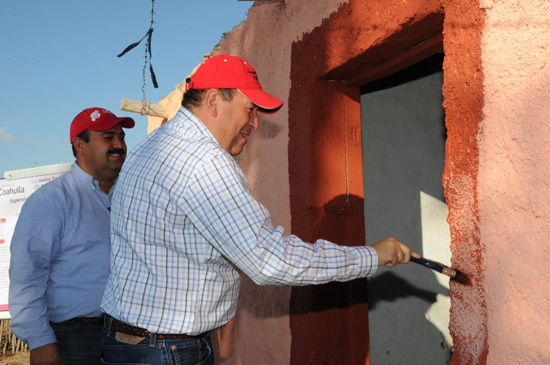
[{"x": 13, "y": 194}]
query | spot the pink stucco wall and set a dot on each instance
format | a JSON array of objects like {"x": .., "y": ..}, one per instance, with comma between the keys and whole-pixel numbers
[
  {"x": 514, "y": 176},
  {"x": 496, "y": 102}
]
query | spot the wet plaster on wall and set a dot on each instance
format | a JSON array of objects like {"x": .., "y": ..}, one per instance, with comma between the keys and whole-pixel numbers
[
  {"x": 463, "y": 103},
  {"x": 513, "y": 180}
]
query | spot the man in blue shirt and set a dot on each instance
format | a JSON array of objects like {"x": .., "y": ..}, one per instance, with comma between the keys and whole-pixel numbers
[
  {"x": 184, "y": 219},
  {"x": 60, "y": 247}
]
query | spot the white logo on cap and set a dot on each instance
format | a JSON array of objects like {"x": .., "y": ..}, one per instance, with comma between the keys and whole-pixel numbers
[{"x": 95, "y": 115}]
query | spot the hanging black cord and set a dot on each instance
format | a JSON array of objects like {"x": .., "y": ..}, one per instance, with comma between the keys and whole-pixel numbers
[{"x": 148, "y": 52}]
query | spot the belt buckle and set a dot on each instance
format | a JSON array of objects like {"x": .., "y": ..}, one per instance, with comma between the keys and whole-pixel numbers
[{"x": 128, "y": 339}]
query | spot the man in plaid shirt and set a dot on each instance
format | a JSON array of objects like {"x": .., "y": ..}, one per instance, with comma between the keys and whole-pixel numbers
[{"x": 183, "y": 217}]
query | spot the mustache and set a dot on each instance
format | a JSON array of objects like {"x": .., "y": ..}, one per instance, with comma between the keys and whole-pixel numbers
[{"x": 119, "y": 151}]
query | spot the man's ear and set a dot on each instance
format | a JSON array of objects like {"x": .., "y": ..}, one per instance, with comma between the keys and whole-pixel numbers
[
  {"x": 78, "y": 145},
  {"x": 212, "y": 102}
]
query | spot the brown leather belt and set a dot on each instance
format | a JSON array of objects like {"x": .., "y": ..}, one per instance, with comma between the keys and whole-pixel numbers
[
  {"x": 122, "y": 327},
  {"x": 87, "y": 319}
]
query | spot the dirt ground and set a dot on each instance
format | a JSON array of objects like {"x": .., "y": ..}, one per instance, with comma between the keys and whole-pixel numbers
[{"x": 19, "y": 358}]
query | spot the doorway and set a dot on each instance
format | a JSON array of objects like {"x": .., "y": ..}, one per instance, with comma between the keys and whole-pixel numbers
[{"x": 403, "y": 133}]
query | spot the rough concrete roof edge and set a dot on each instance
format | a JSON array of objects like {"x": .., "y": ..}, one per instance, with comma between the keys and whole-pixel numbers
[{"x": 226, "y": 35}]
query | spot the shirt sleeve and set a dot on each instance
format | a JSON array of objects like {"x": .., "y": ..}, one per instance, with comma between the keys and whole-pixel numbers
[
  {"x": 35, "y": 240},
  {"x": 220, "y": 204}
]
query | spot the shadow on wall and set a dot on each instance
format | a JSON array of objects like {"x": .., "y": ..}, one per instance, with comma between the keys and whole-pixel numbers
[
  {"x": 390, "y": 287},
  {"x": 415, "y": 321}
]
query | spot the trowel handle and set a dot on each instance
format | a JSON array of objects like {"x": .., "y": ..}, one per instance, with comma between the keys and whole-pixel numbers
[
  {"x": 434, "y": 266},
  {"x": 429, "y": 264}
]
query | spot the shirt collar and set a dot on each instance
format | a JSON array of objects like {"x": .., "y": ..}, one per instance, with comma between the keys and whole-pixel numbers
[
  {"x": 185, "y": 114},
  {"x": 88, "y": 179}
]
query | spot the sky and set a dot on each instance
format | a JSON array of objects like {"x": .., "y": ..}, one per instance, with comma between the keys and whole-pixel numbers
[{"x": 60, "y": 57}]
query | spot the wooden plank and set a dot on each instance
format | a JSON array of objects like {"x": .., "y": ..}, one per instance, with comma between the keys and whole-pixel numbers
[{"x": 136, "y": 106}]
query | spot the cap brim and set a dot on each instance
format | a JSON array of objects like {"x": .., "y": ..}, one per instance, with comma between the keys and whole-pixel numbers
[
  {"x": 267, "y": 103},
  {"x": 127, "y": 122}
]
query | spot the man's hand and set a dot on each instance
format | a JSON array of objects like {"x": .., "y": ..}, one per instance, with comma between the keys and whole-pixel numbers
[
  {"x": 392, "y": 252},
  {"x": 46, "y": 355}
]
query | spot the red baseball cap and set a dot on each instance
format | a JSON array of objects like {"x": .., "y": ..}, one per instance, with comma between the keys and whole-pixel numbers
[
  {"x": 97, "y": 119},
  {"x": 231, "y": 72}
]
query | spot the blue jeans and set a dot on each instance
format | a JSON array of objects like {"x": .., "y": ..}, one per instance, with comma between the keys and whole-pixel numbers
[
  {"x": 122, "y": 349},
  {"x": 79, "y": 342}
]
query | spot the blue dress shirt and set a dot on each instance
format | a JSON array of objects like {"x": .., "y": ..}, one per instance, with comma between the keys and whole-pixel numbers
[{"x": 59, "y": 256}]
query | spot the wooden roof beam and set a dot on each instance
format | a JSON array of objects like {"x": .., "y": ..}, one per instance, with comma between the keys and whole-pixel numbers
[{"x": 136, "y": 106}]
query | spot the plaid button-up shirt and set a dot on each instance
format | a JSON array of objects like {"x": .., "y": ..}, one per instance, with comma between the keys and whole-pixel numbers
[{"x": 182, "y": 218}]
